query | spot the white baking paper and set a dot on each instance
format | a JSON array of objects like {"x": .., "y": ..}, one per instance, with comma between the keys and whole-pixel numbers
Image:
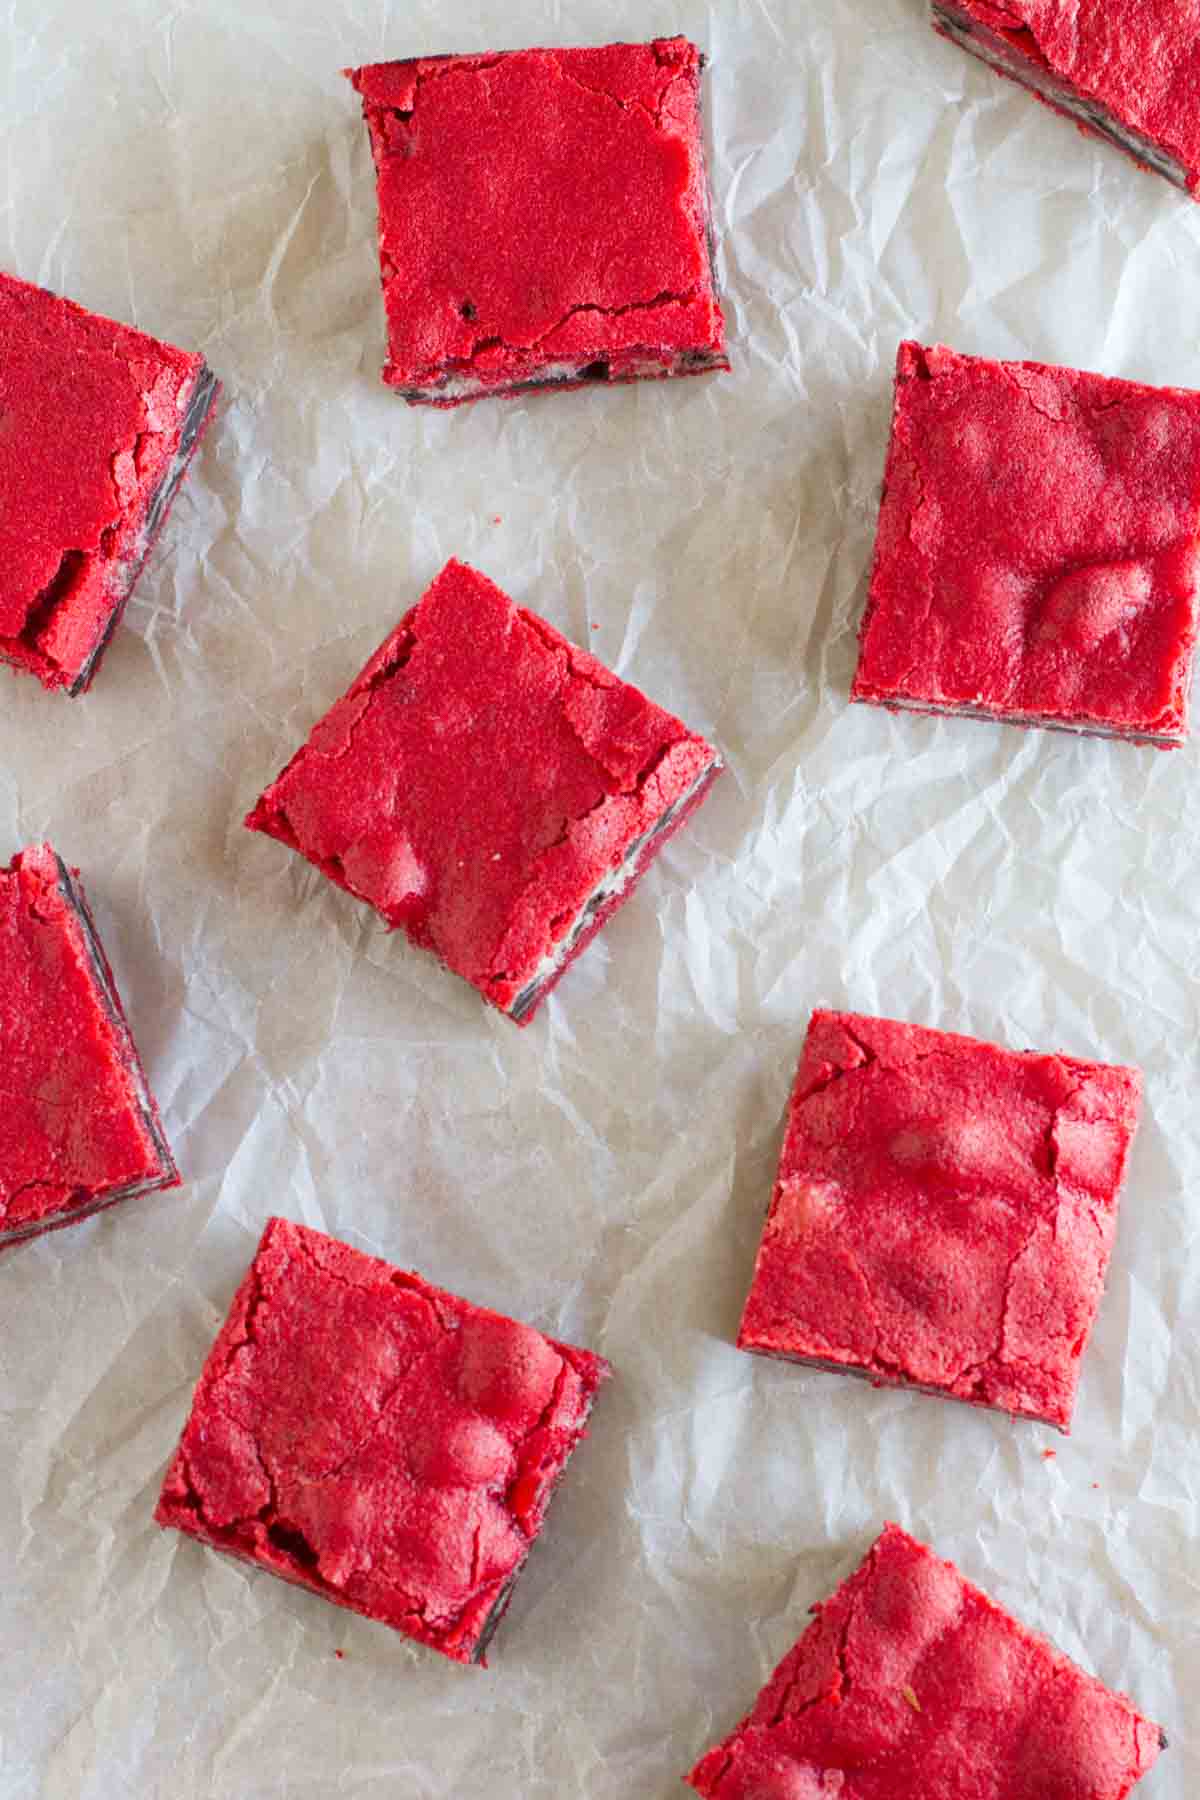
[{"x": 199, "y": 168}]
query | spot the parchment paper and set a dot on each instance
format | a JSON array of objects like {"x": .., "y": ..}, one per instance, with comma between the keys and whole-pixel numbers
[{"x": 200, "y": 169}]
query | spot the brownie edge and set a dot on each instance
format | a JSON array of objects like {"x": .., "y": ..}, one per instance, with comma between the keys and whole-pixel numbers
[{"x": 205, "y": 393}]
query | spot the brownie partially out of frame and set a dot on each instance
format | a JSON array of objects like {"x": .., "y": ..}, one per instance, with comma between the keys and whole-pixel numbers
[
  {"x": 100, "y": 423},
  {"x": 1125, "y": 70},
  {"x": 79, "y": 1129},
  {"x": 1036, "y": 559},
  {"x": 383, "y": 1443},
  {"x": 912, "y": 1685},
  {"x": 490, "y": 788},
  {"x": 944, "y": 1214},
  {"x": 544, "y": 219}
]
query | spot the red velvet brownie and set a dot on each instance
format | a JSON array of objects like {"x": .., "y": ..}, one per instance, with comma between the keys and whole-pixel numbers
[
  {"x": 1036, "y": 560},
  {"x": 489, "y": 788},
  {"x": 944, "y": 1214},
  {"x": 98, "y": 424},
  {"x": 1126, "y": 70},
  {"x": 79, "y": 1129},
  {"x": 544, "y": 219},
  {"x": 377, "y": 1440},
  {"x": 912, "y": 1685}
]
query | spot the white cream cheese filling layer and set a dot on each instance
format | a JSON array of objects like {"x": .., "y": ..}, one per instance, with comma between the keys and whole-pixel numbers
[{"x": 613, "y": 884}]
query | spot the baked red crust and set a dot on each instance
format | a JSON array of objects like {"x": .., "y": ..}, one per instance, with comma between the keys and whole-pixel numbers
[
  {"x": 913, "y": 1685},
  {"x": 1036, "y": 560},
  {"x": 544, "y": 219},
  {"x": 944, "y": 1214},
  {"x": 381, "y": 1442},
  {"x": 79, "y": 1129},
  {"x": 100, "y": 423},
  {"x": 1125, "y": 70},
  {"x": 489, "y": 788}
]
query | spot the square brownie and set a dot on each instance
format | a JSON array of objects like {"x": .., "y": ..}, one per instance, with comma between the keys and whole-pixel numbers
[
  {"x": 544, "y": 219},
  {"x": 99, "y": 425},
  {"x": 489, "y": 788},
  {"x": 1036, "y": 560},
  {"x": 1125, "y": 70},
  {"x": 79, "y": 1129},
  {"x": 944, "y": 1214},
  {"x": 383, "y": 1443},
  {"x": 912, "y": 1685}
]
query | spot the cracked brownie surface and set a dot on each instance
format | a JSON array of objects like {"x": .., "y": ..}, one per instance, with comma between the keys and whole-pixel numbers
[
  {"x": 544, "y": 219},
  {"x": 912, "y": 1685},
  {"x": 1036, "y": 557},
  {"x": 98, "y": 423},
  {"x": 944, "y": 1214},
  {"x": 1126, "y": 70},
  {"x": 377, "y": 1440},
  {"x": 79, "y": 1129},
  {"x": 489, "y": 788}
]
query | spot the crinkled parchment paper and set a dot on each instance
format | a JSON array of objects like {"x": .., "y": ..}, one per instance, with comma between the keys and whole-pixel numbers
[{"x": 199, "y": 168}]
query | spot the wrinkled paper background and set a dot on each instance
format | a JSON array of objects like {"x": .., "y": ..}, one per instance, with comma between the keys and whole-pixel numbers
[{"x": 201, "y": 170}]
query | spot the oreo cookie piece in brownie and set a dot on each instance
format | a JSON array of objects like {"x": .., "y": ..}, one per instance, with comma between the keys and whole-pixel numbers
[
  {"x": 544, "y": 219},
  {"x": 1037, "y": 554},
  {"x": 490, "y": 788},
  {"x": 79, "y": 1129},
  {"x": 912, "y": 1685},
  {"x": 1125, "y": 70},
  {"x": 944, "y": 1214},
  {"x": 377, "y": 1440},
  {"x": 98, "y": 424}
]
